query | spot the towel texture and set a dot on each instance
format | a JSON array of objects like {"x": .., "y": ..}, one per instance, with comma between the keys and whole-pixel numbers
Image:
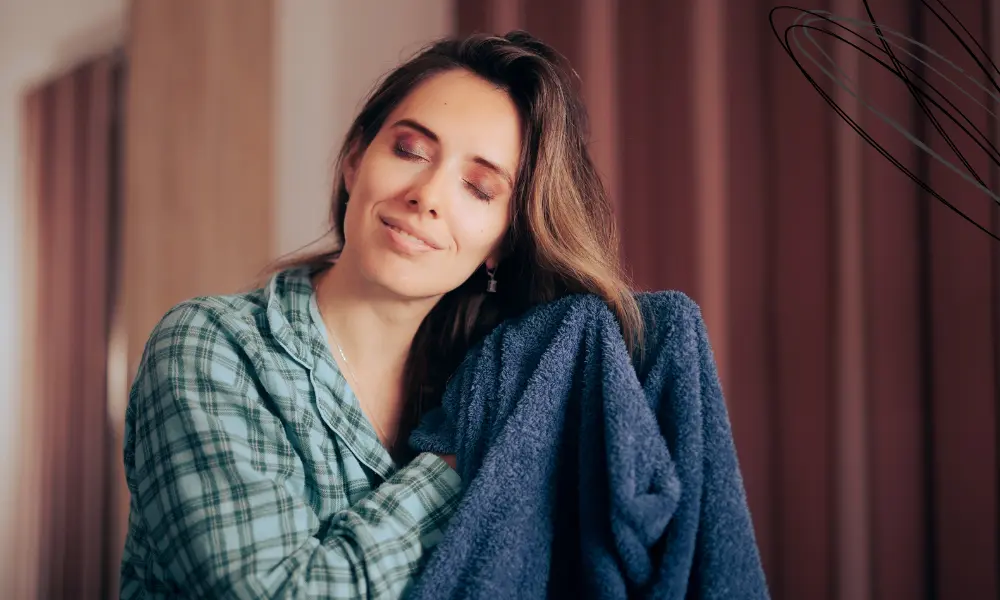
[{"x": 589, "y": 474}]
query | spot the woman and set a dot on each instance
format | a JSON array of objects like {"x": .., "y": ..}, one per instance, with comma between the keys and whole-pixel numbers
[{"x": 265, "y": 439}]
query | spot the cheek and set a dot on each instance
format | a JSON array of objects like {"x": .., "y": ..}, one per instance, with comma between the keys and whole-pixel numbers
[
  {"x": 386, "y": 181},
  {"x": 355, "y": 208},
  {"x": 369, "y": 188},
  {"x": 478, "y": 234}
]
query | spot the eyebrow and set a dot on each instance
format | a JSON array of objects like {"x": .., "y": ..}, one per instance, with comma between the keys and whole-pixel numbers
[{"x": 422, "y": 129}]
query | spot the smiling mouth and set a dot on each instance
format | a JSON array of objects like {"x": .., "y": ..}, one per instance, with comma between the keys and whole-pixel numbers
[{"x": 408, "y": 237}]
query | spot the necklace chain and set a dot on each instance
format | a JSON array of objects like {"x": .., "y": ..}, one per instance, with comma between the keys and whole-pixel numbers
[{"x": 389, "y": 443}]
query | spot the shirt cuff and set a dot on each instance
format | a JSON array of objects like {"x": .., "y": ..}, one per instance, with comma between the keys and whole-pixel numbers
[
  {"x": 449, "y": 482},
  {"x": 438, "y": 488}
]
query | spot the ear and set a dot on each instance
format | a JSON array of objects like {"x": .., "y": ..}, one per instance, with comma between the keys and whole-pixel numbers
[
  {"x": 351, "y": 163},
  {"x": 492, "y": 261}
]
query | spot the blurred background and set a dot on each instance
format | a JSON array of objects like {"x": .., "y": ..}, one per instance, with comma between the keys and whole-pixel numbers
[{"x": 154, "y": 150}]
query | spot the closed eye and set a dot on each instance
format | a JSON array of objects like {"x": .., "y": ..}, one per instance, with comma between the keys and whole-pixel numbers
[
  {"x": 402, "y": 152},
  {"x": 478, "y": 192}
]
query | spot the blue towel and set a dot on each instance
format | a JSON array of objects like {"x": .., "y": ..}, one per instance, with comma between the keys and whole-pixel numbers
[{"x": 589, "y": 474}]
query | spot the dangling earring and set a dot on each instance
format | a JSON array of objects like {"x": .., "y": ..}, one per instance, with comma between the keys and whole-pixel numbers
[{"x": 491, "y": 285}]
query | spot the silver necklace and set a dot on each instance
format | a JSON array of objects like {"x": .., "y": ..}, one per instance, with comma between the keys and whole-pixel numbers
[{"x": 350, "y": 369}]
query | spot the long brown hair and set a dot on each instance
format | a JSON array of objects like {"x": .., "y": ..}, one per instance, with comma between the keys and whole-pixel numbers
[{"x": 562, "y": 237}]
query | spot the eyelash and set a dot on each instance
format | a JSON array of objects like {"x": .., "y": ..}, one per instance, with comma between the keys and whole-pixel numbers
[
  {"x": 407, "y": 155},
  {"x": 404, "y": 153},
  {"x": 478, "y": 193}
]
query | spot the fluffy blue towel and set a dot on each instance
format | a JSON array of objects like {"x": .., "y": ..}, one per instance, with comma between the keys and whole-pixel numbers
[{"x": 588, "y": 475}]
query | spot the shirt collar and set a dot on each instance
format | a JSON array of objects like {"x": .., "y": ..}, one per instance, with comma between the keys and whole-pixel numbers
[
  {"x": 289, "y": 295},
  {"x": 290, "y": 300}
]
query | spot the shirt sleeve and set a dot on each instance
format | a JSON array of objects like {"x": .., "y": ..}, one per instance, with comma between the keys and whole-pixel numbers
[{"x": 219, "y": 522}]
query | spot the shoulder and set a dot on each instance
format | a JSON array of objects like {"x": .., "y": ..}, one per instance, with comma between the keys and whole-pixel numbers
[
  {"x": 206, "y": 335},
  {"x": 197, "y": 374},
  {"x": 195, "y": 387},
  {"x": 208, "y": 319}
]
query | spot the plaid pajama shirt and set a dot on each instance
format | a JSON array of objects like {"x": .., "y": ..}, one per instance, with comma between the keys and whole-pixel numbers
[{"x": 252, "y": 470}]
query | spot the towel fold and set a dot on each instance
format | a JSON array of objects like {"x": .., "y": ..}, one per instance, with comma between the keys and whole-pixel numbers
[{"x": 589, "y": 474}]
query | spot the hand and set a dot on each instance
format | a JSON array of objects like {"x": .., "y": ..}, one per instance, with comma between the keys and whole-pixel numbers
[{"x": 450, "y": 459}]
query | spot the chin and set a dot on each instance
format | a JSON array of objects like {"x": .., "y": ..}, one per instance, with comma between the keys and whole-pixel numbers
[{"x": 403, "y": 278}]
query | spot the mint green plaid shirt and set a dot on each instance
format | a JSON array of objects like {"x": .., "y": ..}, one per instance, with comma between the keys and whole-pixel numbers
[{"x": 253, "y": 472}]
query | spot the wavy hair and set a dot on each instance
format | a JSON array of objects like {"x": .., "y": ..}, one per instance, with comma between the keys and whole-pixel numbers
[{"x": 562, "y": 237}]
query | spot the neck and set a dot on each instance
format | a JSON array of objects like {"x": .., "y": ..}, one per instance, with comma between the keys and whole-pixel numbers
[{"x": 374, "y": 327}]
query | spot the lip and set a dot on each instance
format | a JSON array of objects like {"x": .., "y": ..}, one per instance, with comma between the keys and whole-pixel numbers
[{"x": 390, "y": 223}]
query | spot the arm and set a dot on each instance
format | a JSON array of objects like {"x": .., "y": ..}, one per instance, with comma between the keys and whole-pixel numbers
[{"x": 220, "y": 523}]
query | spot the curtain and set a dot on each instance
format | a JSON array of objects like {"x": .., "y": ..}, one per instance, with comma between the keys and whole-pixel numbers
[
  {"x": 70, "y": 187},
  {"x": 854, "y": 318}
]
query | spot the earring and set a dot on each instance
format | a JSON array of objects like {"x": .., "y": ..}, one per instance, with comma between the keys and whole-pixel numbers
[{"x": 491, "y": 285}]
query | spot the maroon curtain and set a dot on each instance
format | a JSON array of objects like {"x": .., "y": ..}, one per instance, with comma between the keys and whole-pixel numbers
[
  {"x": 71, "y": 198},
  {"x": 855, "y": 319}
]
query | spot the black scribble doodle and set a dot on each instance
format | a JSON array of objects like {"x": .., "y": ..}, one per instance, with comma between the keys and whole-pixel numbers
[{"x": 924, "y": 93}]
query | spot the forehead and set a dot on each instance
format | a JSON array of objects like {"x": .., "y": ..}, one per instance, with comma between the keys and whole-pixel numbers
[{"x": 467, "y": 112}]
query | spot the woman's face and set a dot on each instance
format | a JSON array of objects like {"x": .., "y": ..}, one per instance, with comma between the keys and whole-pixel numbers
[{"x": 430, "y": 196}]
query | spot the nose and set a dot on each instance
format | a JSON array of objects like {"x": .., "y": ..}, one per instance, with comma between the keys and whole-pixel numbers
[{"x": 428, "y": 192}]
